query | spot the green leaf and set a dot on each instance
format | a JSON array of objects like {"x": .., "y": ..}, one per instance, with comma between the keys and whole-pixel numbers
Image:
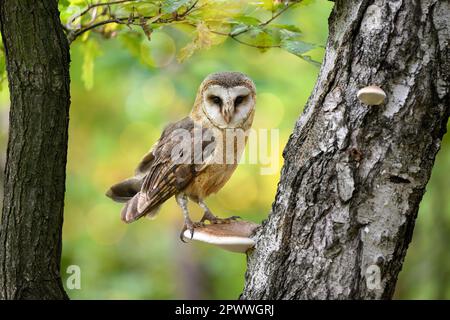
[
  {"x": 91, "y": 51},
  {"x": 287, "y": 27},
  {"x": 288, "y": 35},
  {"x": 62, "y": 4},
  {"x": 263, "y": 39},
  {"x": 238, "y": 29},
  {"x": 77, "y": 2},
  {"x": 141, "y": 8},
  {"x": 297, "y": 47},
  {"x": 247, "y": 20},
  {"x": 310, "y": 60},
  {"x": 170, "y": 6}
]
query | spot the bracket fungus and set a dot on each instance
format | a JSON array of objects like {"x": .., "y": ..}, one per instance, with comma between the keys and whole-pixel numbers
[
  {"x": 371, "y": 95},
  {"x": 234, "y": 236}
]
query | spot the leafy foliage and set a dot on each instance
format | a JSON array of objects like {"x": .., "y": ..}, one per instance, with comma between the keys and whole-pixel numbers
[
  {"x": 205, "y": 22},
  {"x": 173, "y": 5}
]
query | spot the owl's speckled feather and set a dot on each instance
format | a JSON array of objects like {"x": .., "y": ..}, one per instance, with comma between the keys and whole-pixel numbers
[{"x": 228, "y": 80}]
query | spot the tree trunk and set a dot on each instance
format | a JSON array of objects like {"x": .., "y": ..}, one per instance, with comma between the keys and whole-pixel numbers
[
  {"x": 37, "y": 56},
  {"x": 354, "y": 174}
]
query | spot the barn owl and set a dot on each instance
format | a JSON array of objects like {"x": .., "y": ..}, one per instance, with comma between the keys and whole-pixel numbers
[{"x": 222, "y": 113}]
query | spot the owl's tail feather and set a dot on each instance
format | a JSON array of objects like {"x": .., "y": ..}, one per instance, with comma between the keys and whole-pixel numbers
[
  {"x": 125, "y": 190},
  {"x": 130, "y": 211},
  {"x": 128, "y": 191}
]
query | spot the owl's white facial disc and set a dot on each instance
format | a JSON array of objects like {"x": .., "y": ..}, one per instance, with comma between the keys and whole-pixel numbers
[{"x": 227, "y": 107}]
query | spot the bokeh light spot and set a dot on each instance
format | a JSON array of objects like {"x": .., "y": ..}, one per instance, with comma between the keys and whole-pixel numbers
[{"x": 269, "y": 111}]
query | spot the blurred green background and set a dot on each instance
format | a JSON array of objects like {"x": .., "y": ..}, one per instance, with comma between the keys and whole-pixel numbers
[{"x": 115, "y": 122}]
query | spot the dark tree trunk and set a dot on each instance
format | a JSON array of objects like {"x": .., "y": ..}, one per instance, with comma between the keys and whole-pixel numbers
[
  {"x": 354, "y": 174},
  {"x": 37, "y": 55}
]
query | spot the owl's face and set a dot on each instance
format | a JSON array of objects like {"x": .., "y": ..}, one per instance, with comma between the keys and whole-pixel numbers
[
  {"x": 228, "y": 107},
  {"x": 226, "y": 100}
]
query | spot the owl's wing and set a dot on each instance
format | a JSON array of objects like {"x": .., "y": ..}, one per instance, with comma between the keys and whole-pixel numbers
[
  {"x": 146, "y": 162},
  {"x": 176, "y": 161}
]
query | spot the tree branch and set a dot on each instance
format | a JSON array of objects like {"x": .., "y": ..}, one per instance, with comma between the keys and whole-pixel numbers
[
  {"x": 96, "y": 5},
  {"x": 73, "y": 34},
  {"x": 276, "y": 15}
]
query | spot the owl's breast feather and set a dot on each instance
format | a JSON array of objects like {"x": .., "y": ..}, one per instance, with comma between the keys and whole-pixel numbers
[{"x": 210, "y": 180}]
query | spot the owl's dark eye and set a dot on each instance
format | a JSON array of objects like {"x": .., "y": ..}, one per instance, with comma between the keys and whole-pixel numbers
[
  {"x": 238, "y": 100},
  {"x": 216, "y": 100}
]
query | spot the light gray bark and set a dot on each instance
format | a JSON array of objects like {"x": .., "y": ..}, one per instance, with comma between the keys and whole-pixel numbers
[{"x": 354, "y": 174}]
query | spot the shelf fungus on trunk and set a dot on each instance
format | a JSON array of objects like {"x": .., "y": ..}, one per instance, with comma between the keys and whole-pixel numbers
[
  {"x": 371, "y": 95},
  {"x": 234, "y": 236}
]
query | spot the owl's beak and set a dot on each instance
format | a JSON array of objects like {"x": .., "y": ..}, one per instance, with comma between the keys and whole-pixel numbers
[{"x": 227, "y": 114}]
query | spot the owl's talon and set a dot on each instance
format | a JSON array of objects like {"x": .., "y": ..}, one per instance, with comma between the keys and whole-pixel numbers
[
  {"x": 226, "y": 220},
  {"x": 189, "y": 225},
  {"x": 208, "y": 216},
  {"x": 182, "y": 234}
]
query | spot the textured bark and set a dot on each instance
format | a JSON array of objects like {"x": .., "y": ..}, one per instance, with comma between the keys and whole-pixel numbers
[
  {"x": 37, "y": 55},
  {"x": 354, "y": 175}
]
